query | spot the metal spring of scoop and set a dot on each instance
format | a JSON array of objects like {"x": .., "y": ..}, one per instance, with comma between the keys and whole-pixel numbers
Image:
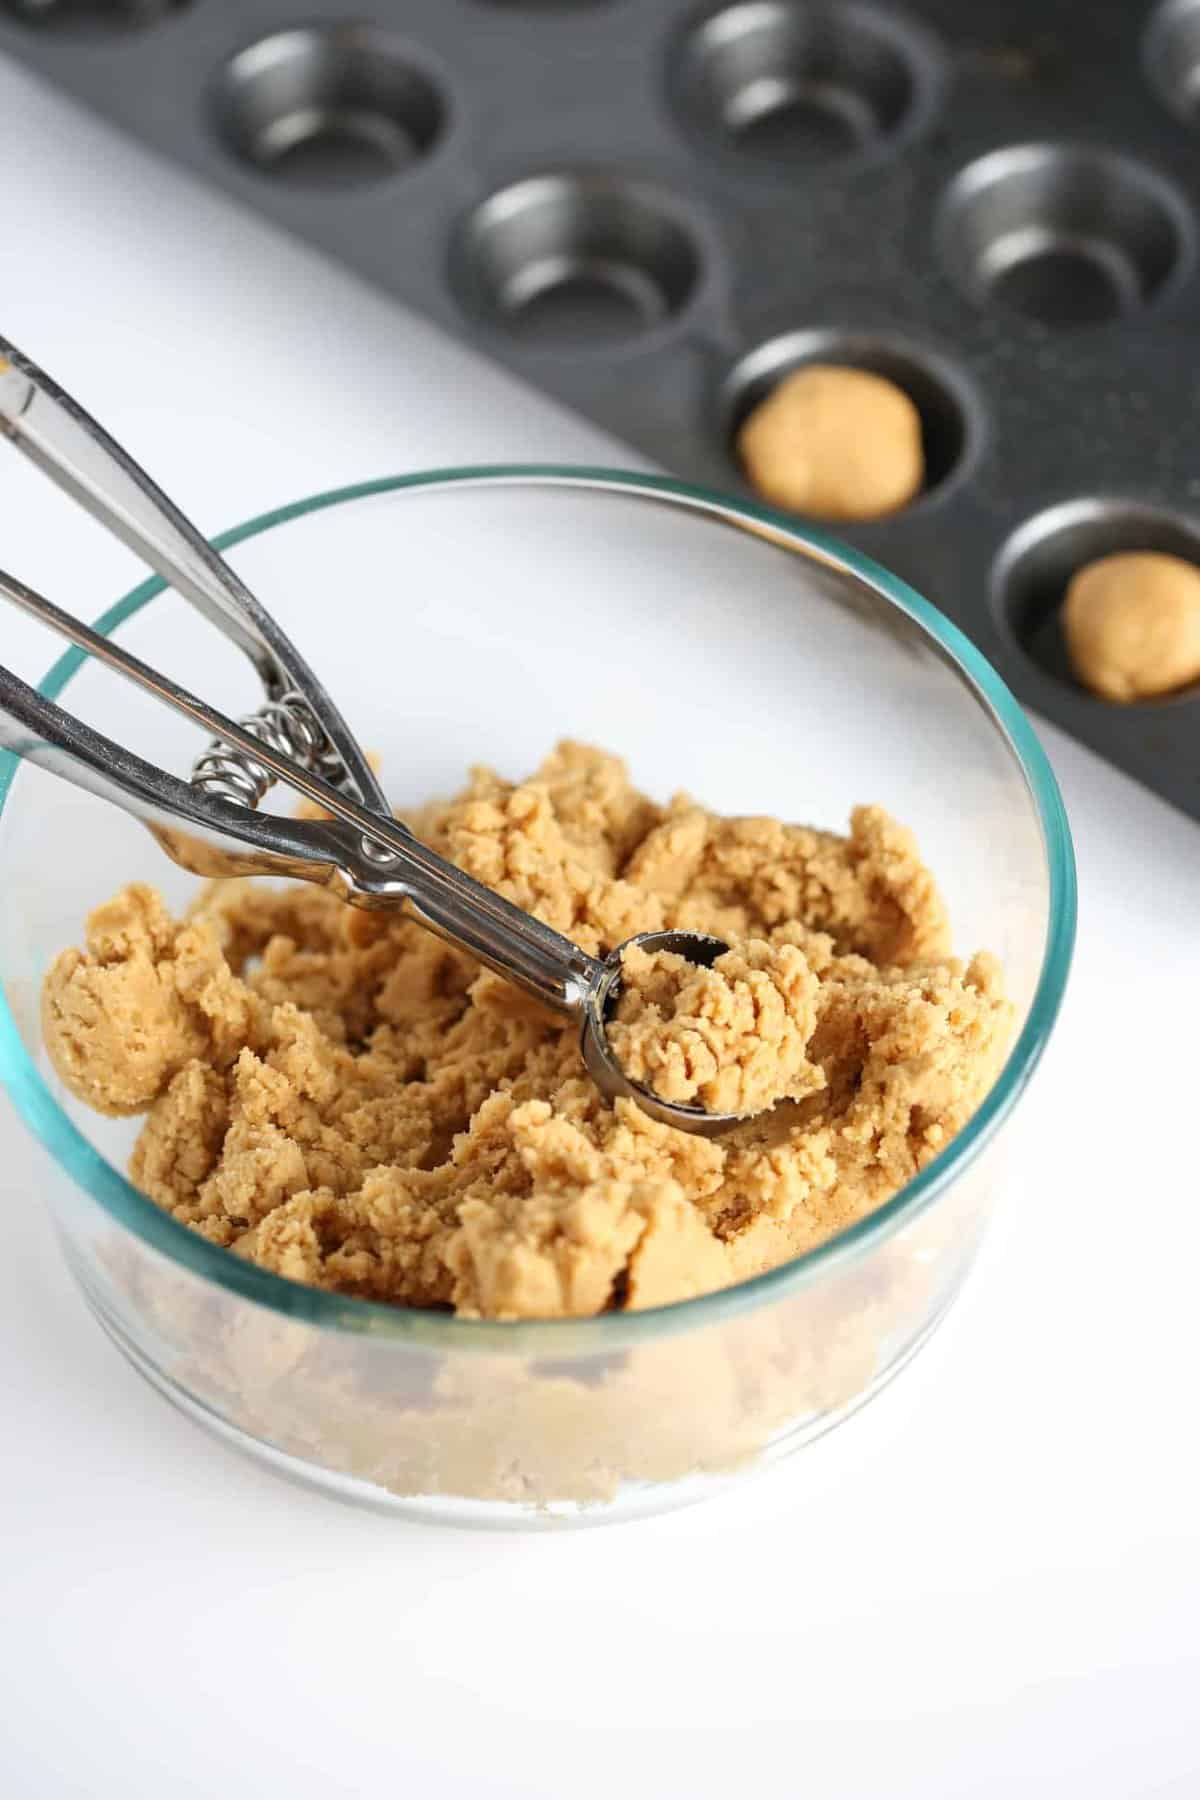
[{"x": 287, "y": 725}]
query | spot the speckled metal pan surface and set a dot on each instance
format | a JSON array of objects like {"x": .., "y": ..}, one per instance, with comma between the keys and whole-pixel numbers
[{"x": 651, "y": 210}]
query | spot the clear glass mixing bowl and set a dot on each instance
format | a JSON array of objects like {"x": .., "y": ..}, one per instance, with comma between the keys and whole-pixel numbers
[{"x": 477, "y": 616}]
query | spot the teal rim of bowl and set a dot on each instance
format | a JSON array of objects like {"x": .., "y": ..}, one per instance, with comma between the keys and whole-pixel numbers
[{"x": 605, "y": 1332}]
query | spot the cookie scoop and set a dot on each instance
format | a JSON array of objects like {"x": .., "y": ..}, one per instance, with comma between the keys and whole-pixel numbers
[{"x": 209, "y": 822}]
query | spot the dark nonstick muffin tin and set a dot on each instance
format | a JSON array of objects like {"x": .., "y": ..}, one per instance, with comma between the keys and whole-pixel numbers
[{"x": 652, "y": 210}]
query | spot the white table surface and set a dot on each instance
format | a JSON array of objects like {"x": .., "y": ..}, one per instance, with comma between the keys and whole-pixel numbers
[{"x": 988, "y": 1583}]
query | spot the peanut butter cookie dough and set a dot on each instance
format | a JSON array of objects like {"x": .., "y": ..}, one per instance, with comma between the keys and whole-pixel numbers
[
  {"x": 345, "y": 1100},
  {"x": 835, "y": 443},
  {"x": 732, "y": 1039},
  {"x": 1132, "y": 624}
]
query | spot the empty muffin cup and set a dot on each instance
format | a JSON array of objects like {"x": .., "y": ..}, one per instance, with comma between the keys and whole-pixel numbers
[
  {"x": 91, "y": 16},
  {"x": 794, "y": 83},
  {"x": 1171, "y": 56},
  {"x": 334, "y": 106},
  {"x": 570, "y": 260},
  {"x": 1063, "y": 235}
]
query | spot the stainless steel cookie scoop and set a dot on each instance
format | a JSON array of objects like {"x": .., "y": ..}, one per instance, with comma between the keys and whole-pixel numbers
[{"x": 208, "y": 823}]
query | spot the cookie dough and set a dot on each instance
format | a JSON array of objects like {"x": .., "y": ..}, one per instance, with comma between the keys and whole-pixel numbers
[
  {"x": 835, "y": 443},
  {"x": 732, "y": 1038},
  {"x": 1132, "y": 624},
  {"x": 351, "y": 1103}
]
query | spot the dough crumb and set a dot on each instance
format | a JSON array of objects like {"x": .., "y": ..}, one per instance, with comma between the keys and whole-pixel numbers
[
  {"x": 835, "y": 443},
  {"x": 1132, "y": 624},
  {"x": 732, "y": 1038},
  {"x": 343, "y": 1099},
  {"x": 148, "y": 998}
]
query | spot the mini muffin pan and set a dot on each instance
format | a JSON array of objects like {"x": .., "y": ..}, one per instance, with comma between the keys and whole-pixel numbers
[{"x": 652, "y": 210}]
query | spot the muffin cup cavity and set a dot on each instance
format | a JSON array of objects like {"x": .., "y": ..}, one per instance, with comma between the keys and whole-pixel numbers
[
  {"x": 1061, "y": 235},
  {"x": 777, "y": 81},
  {"x": 328, "y": 106},
  {"x": 1031, "y": 574},
  {"x": 569, "y": 260},
  {"x": 1171, "y": 58},
  {"x": 90, "y": 16},
  {"x": 948, "y": 412}
]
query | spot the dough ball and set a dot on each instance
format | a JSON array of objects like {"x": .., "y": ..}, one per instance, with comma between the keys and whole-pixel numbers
[
  {"x": 835, "y": 443},
  {"x": 1132, "y": 624}
]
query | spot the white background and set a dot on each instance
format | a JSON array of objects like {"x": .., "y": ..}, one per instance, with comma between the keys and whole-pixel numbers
[{"x": 986, "y": 1584}]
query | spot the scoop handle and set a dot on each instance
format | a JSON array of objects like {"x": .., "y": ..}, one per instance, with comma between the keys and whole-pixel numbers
[
  {"x": 372, "y": 859},
  {"x": 51, "y": 428}
]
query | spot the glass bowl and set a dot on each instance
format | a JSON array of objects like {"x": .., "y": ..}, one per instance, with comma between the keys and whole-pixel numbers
[{"x": 479, "y": 615}]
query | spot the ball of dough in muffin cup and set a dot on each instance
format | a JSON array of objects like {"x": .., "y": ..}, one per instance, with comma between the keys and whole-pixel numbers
[
  {"x": 834, "y": 442},
  {"x": 1132, "y": 624}
]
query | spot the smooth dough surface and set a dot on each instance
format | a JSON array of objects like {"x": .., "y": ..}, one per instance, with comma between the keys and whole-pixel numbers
[
  {"x": 351, "y": 1103},
  {"x": 1132, "y": 624},
  {"x": 835, "y": 443}
]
